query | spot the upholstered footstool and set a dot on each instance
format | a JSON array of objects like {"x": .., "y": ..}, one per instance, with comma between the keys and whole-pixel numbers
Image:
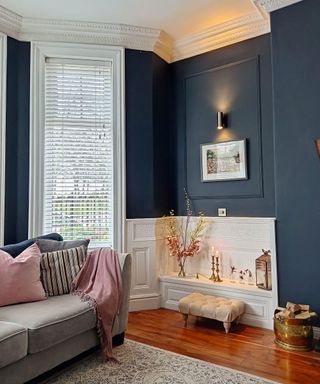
[{"x": 212, "y": 307}]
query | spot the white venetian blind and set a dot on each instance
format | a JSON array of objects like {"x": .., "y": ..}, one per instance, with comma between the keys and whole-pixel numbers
[{"x": 78, "y": 150}]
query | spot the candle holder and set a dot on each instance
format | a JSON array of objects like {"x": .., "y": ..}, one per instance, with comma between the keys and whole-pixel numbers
[
  {"x": 213, "y": 276},
  {"x": 218, "y": 279}
]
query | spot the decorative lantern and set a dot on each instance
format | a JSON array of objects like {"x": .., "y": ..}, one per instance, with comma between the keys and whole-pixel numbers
[{"x": 263, "y": 271}]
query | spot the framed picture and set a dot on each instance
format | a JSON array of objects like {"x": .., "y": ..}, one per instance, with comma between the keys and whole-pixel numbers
[{"x": 224, "y": 161}]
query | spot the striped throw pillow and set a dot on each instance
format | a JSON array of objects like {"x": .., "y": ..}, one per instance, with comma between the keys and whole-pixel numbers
[{"x": 59, "y": 268}]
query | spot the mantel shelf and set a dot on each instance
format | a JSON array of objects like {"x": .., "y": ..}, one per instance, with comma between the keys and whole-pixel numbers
[{"x": 226, "y": 285}]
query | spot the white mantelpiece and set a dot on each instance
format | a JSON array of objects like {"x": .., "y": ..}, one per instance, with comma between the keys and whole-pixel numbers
[{"x": 240, "y": 241}]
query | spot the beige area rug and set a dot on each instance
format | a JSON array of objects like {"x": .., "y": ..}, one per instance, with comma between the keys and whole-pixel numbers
[{"x": 143, "y": 364}]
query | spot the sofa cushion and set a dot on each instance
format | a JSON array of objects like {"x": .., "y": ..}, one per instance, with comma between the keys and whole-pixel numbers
[
  {"x": 51, "y": 321},
  {"x": 13, "y": 343},
  {"x": 47, "y": 245},
  {"x": 58, "y": 269},
  {"x": 20, "y": 277},
  {"x": 15, "y": 249}
]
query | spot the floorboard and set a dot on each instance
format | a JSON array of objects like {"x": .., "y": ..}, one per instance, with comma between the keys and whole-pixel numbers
[{"x": 245, "y": 348}]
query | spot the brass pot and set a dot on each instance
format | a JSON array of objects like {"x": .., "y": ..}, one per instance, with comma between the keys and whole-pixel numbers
[{"x": 293, "y": 334}]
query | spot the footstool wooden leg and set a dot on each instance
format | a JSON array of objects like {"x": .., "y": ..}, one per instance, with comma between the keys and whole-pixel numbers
[
  {"x": 185, "y": 318},
  {"x": 227, "y": 326}
]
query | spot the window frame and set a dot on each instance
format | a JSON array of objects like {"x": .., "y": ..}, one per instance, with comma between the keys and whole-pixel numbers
[
  {"x": 39, "y": 51},
  {"x": 3, "y": 105}
]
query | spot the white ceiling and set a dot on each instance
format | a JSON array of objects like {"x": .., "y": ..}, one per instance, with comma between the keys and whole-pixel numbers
[{"x": 176, "y": 17}]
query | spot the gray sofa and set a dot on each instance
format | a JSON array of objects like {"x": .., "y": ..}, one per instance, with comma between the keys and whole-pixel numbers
[{"x": 36, "y": 337}]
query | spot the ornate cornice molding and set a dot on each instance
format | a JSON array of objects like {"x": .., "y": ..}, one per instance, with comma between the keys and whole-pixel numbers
[
  {"x": 273, "y": 5},
  {"x": 128, "y": 36},
  {"x": 123, "y": 35},
  {"x": 242, "y": 28},
  {"x": 147, "y": 39},
  {"x": 10, "y": 22}
]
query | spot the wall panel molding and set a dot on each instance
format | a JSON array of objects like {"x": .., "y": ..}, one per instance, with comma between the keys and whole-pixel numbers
[
  {"x": 142, "y": 242},
  {"x": 257, "y": 192}
]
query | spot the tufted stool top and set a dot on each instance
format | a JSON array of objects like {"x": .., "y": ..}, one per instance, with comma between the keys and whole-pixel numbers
[{"x": 212, "y": 307}]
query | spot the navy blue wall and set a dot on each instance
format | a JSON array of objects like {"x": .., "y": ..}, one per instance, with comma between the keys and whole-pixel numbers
[
  {"x": 296, "y": 58},
  {"x": 17, "y": 141},
  {"x": 164, "y": 134},
  {"x": 147, "y": 135},
  {"x": 237, "y": 80}
]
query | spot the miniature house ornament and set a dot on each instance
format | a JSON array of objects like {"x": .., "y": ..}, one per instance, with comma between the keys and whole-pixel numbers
[{"x": 263, "y": 271}]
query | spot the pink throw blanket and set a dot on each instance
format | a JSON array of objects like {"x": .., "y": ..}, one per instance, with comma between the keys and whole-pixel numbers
[{"x": 99, "y": 282}]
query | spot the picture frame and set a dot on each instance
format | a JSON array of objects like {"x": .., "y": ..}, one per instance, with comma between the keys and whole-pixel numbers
[{"x": 224, "y": 161}]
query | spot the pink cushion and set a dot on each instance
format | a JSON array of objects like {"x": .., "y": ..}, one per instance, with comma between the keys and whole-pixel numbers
[{"x": 20, "y": 277}]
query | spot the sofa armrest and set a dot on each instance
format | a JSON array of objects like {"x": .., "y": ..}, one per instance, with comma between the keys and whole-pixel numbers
[{"x": 125, "y": 260}]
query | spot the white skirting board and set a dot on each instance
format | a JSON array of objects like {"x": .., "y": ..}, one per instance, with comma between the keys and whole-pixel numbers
[{"x": 144, "y": 302}]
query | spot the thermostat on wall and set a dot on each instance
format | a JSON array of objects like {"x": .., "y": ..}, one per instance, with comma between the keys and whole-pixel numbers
[{"x": 222, "y": 211}]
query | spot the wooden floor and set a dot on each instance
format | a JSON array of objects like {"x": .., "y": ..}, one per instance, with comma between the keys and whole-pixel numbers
[{"x": 245, "y": 348}]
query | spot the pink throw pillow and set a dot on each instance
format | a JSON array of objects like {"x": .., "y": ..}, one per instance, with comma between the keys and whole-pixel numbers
[{"x": 20, "y": 277}]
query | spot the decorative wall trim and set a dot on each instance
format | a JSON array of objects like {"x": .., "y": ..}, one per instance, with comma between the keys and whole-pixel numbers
[
  {"x": 3, "y": 78},
  {"x": 143, "y": 241},
  {"x": 144, "y": 302},
  {"x": 150, "y": 39},
  {"x": 10, "y": 22},
  {"x": 273, "y": 5},
  {"x": 128, "y": 36},
  {"x": 255, "y": 24},
  {"x": 122, "y": 35}
]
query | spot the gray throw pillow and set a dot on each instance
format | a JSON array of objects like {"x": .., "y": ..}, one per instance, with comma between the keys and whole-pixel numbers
[
  {"x": 53, "y": 245},
  {"x": 59, "y": 268}
]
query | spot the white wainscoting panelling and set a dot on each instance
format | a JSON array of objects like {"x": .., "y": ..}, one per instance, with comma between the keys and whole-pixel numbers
[
  {"x": 240, "y": 241},
  {"x": 143, "y": 242},
  {"x": 141, "y": 268}
]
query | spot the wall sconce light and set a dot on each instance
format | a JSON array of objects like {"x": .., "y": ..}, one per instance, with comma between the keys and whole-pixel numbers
[{"x": 221, "y": 120}]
